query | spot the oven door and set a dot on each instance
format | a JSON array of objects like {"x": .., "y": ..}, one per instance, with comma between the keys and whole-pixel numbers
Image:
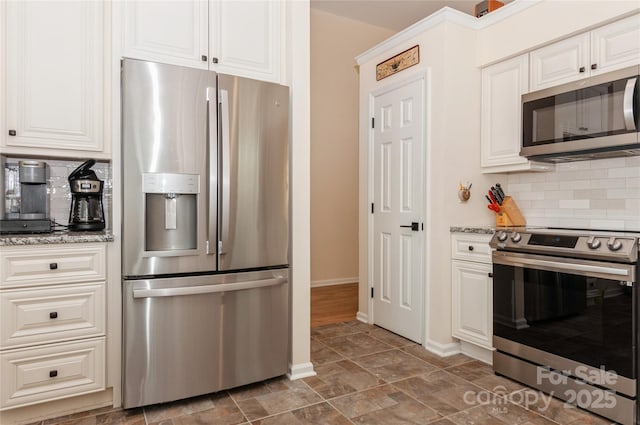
[{"x": 567, "y": 313}]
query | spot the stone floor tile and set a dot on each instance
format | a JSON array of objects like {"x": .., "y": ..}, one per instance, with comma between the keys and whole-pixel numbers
[
  {"x": 498, "y": 384},
  {"x": 321, "y": 354},
  {"x": 443, "y": 421},
  {"x": 317, "y": 414},
  {"x": 445, "y": 393},
  {"x": 471, "y": 370},
  {"x": 390, "y": 338},
  {"x": 441, "y": 362},
  {"x": 75, "y": 416},
  {"x": 393, "y": 365},
  {"x": 383, "y": 405},
  {"x": 160, "y": 412},
  {"x": 356, "y": 345},
  {"x": 273, "y": 397},
  {"x": 341, "y": 378},
  {"x": 475, "y": 416},
  {"x": 122, "y": 417},
  {"x": 87, "y": 420}
]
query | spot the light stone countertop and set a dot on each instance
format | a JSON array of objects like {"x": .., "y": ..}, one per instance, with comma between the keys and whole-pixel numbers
[
  {"x": 485, "y": 230},
  {"x": 58, "y": 237}
]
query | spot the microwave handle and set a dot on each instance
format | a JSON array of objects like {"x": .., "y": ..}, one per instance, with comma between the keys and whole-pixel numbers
[{"x": 627, "y": 104}]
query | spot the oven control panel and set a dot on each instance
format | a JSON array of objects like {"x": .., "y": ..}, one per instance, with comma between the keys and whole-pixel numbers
[{"x": 600, "y": 246}]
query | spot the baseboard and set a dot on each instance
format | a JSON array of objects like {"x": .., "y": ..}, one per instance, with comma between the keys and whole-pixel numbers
[
  {"x": 362, "y": 317},
  {"x": 302, "y": 370},
  {"x": 477, "y": 352},
  {"x": 331, "y": 282},
  {"x": 443, "y": 350}
]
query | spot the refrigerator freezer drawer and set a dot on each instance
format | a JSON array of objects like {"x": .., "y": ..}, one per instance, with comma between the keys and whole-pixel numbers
[{"x": 196, "y": 335}]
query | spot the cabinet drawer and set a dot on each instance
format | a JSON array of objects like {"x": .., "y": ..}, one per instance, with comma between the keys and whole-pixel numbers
[
  {"x": 471, "y": 247},
  {"x": 54, "y": 314},
  {"x": 52, "y": 372},
  {"x": 45, "y": 265}
]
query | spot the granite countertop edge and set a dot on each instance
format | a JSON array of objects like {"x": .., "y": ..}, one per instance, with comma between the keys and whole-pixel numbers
[
  {"x": 55, "y": 238},
  {"x": 485, "y": 230}
]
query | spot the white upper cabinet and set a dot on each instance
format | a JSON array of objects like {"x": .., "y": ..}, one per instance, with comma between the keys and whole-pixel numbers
[
  {"x": 560, "y": 62},
  {"x": 54, "y": 79},
  {"x": 501, "y": 118},
  {"x": 604, "y": 49},
  {"x": 616, "y": 45},
  {"x": 174, "y": 32},
  {"x": 246, "y": 38},
  {"x": 242, "y": 38}
]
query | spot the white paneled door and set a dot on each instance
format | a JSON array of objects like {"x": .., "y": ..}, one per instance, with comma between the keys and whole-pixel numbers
[{"x": 398, "y": 232}]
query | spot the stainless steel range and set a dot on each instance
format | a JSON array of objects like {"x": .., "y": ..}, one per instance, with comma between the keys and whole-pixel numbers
[{"x": 565, "y": 314}]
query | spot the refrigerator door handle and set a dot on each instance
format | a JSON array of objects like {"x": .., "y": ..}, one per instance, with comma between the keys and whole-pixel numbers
[
  {"x": 225, "y": 166},
  {"x": 212, "y": 170},
  {"x": 207, "y": 289}
]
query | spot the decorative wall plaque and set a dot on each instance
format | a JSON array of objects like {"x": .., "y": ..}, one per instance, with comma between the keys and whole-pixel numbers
[{"x": 397, "y": 63}]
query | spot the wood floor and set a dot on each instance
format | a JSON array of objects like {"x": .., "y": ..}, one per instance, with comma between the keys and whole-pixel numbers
[{"x": 334, "y": 304}]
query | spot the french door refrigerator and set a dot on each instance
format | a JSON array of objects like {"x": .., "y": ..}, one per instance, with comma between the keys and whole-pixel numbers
[{"x": 205, "y": 240}]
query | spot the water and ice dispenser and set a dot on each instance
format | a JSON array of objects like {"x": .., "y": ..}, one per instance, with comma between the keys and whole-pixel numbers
[{"x": 171, "y": 211}]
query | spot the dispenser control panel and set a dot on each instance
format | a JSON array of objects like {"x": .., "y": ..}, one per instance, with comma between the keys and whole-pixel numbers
[{"x": 171, "y": 183}]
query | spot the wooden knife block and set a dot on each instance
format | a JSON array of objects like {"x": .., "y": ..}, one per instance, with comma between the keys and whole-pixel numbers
[{"x": 509, "y": 214}]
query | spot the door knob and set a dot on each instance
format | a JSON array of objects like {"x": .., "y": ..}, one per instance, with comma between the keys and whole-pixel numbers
[{"x": 415, "y": 226}]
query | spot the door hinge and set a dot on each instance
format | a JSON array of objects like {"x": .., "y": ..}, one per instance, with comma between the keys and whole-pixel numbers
[
  {"x": 372, "y": 208},
  {"x": 372, "y": 292},
  {"x": 373, "y": 122}
]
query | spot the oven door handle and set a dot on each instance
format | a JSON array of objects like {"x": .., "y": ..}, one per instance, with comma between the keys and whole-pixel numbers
[
  {"x": 609, "y": 271},
  {"x": 207, "y": 289}
]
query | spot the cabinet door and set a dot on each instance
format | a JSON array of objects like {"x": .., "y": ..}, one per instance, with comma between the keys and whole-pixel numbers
[
  {"x": 472, "y": 295},
  {"x": 246, "y": 38},
  {"x": 173, "y": 32},
  {"x": 616, "y": 45},
  {"x": 502, "y": 87},
  {"x": 51, "y": 372},
  {"x": 560, "y": 62},
  {"x": 54, "y": 66}
]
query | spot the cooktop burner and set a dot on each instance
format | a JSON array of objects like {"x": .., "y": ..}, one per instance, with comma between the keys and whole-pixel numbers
[{"x": 612, "y": 245}]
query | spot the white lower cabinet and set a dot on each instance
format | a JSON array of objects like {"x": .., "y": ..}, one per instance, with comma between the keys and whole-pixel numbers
[
  {"x": 52, "y": 322},
  {"x": 51, "y": 372},
  {"x": 472, "y": 290}
]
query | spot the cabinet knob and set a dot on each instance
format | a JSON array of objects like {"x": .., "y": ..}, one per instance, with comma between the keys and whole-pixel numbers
[
  {"x": 53, "y": 373},
  {"x": 204, "y": 58},
  {"x": 214, "y": 60},
  {"x": 582, "y": 69},
  {"x": 53, "y": 266},
  {"x": 490, "y": 274},
  {"x": 12, "y": 133},
  {"x": 594, "y": 66},
  {"x": 470, "y": 247},
  {"x": 53, "y": 315}
]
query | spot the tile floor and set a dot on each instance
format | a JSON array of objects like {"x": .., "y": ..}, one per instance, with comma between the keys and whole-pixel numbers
[{"x": 365, "y": 375}]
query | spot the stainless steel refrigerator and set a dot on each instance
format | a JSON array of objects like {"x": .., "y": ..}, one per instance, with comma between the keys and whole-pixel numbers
[{"x": 205, "y": 243}]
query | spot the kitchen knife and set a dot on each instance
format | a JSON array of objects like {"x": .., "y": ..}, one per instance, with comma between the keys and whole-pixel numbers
[
  {"x": 500, "y": 191},
  {"x": 496, "y": 195}
]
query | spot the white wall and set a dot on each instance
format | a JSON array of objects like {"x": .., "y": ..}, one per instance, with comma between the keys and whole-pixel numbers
[
  {"x": 335, "y": 40},
  {"x": 298, "y": 69},
  {"x": 545, "y": 22}
]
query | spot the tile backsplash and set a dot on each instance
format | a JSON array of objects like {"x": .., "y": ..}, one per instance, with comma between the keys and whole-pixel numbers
[
  {"x": 60, "y": 194},
  {"x": 597, "y": 194}
]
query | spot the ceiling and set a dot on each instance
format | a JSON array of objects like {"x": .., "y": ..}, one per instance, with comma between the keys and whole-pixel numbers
[{"x": 395, "y": 15}]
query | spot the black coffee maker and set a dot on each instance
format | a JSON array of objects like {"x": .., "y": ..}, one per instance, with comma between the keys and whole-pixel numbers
[{"x": 87, "y": 212}]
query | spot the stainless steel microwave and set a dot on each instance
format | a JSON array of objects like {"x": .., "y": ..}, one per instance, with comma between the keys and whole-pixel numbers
[{"x": 596, "y": 117}]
